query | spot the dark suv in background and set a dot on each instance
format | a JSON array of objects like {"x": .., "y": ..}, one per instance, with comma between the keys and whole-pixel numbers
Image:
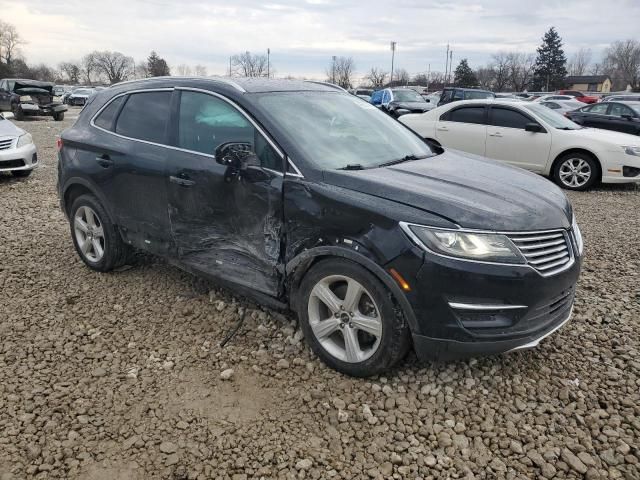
[
  {"x": 339, "y": 213},
  {"x": 453, "y": 94},
  {"x": 29, "y": 97}
]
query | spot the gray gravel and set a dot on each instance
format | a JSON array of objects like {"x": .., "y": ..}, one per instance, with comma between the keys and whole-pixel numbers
[{"x": 120, "y": 376}]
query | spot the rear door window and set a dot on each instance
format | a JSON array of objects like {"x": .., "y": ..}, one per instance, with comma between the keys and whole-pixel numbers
[
  {"x": 473, "y": 114},
  {"x": 144, "y": 116},
  {"x": 505, "y": 117},
  {"x": 617, "y": 110},
  {"x": 599, "y": 109},
  {"x": 106, "y": 118}
]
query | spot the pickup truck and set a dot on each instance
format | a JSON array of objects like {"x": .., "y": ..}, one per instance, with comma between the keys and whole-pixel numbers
[{"x": 29, "y": 97}]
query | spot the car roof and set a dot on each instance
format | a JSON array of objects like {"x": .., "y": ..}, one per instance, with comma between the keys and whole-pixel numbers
[{"x": 241, "y": 84}]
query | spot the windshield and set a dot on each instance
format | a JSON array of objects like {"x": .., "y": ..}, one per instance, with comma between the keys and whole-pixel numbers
[
  {"x": 82, "y": 91},
  {"x": 551, "y": 117},
  {"x": 477, "y": 95},
  {"x": 406, "y": 95},
  {"x": 338, "y": 131}
]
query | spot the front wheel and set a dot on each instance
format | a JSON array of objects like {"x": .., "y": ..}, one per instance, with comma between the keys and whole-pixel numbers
[
  {"x": 58, "y": 117},
  {"x": 18, "y": 114},
  {"x": 576, "y": 171},
  {"x": 349, "y": 319}
]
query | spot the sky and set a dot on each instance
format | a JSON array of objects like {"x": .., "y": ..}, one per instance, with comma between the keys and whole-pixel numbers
[{"x": 303, "y": 35}]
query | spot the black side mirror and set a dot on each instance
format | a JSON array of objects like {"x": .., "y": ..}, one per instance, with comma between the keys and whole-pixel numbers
[
  {"x": 627, "y": 116},
  {"x": 236, "y": 155},
  {"x": 533, "y": 127}
]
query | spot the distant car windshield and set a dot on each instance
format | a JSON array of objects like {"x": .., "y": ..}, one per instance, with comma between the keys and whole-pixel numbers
[
  {"x": 364, "y": 92},
  {"x": 551, "y": 117},
  {"x": 477, "y": 95},
  {"x": 406, "y": 95},
  {"x": 336, "y": 131},
  {"x": 83, "y": 91}
]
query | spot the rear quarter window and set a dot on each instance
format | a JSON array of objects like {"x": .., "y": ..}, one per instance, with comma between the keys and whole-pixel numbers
[
  {"x": 107, "y": 117},
  {"x": 144, "y": 116}
]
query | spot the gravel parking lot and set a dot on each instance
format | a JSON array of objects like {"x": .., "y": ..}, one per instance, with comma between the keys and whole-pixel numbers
[{"x": 119, "y": 376}]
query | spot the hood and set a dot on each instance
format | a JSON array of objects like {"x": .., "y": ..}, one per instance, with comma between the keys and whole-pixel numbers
[
  {"x": 8, "y": 129},
  {"x": 411, "y": 105},
  {"x": 609, "y": 136},
  {"x": 467, "y": 190},
  {"x": 33, "y": 84}
]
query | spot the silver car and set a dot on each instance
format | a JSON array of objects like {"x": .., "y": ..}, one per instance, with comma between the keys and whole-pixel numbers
[{"x": 18, "y": 153}]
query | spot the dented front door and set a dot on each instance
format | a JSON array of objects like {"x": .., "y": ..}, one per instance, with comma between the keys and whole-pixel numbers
[{"x": 227, "y": 226}]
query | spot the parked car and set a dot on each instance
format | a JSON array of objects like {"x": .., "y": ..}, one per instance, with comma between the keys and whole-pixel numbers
[
  {"x": 454, "y": 94},
  {"x": 25, "y": 97},
  {"x": 579, "y": 96},
  {"x": 18, "y": 153},
  {"x": 363, "y": 93},
  {"x": 58, "y": 90},
  {"x": 80, "y": 96},
  {"x": 400, "y": 101},
  {"x": 622, "y": 98},
  {"x": 339, "y": 213},
  {"x": 534, "y": 137},
  {"x": 618, "y": 116},
  {"x": 548, "y": 98},
  {"x": 563, "y": 106}
]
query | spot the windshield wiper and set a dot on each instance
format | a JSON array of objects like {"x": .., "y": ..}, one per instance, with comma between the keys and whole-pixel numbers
[
  {"x": 406, "y": 158},
  {"x": 352, "y": 166}
]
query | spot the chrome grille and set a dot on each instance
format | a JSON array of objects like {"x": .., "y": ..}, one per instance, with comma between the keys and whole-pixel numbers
[
  {"x": 547, "y": 252},
  {"x": 5, "y": 143}
]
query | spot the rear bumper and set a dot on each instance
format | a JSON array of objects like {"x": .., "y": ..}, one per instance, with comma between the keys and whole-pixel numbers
[{"x": 428, "y": 348}]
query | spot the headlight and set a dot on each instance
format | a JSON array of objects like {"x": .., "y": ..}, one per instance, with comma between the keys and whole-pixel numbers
[
  {"x": 631, "y": 150},
  {"x": 25, "y": 98},
  {"x": 485, "y": 247},
  {"x": 578, "y": 235},
  {"x": 25, "y": 139}
]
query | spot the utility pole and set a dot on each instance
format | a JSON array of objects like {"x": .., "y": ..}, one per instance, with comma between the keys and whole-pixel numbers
[
  {"x": 268, "y": 60},
  {"x": 446, "y": 66},
  {"x": 230, "y": 66},
  {"x": 451, "y": 66},
  {"x": 333, "y": 70},
  {"x": 428, "y": 75},
  {"x": 393, "y": 54}
]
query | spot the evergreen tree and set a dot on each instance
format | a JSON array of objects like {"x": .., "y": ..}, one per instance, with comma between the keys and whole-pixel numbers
[
  {"x": 464, "y": 76},
  {"x": 157, "y": 66},
  {"x": 550, "y": 69}
]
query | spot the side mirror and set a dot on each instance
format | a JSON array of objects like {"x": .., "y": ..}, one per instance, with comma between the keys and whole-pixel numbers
[
  {"x": 236, "y": 155},
  {"x": 627, "y": 116},
  {"x": 533, "y": 127}
]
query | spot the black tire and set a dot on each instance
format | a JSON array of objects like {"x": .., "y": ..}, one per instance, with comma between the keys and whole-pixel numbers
[
  {"x": 21, "y": 173},
  {"x": 18, "y": 114},
  {"x": 593, "y": 166},
  {"x": 395, "y": 339},
  {"x": 58, "y": 117},
  {"x": 116, "y": 252}
]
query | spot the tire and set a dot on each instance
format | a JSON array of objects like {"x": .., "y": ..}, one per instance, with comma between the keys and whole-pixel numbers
[
  {"x": 106, "y": 250},
  {"x": 576, "y": 171},
  {"x": 58, "y": 117},
  {"x": 21, "y": 173},
  {"x": 18, "y": 114},
  {"x": 324, "y": 328}
]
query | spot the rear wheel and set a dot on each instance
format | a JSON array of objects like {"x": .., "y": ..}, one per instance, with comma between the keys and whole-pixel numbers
[
  {"x": 95, "y": 237},
  {"x": 18, "y": 114},
  {"x": 21, "y": 173},
  {"x": 576, "y": 171},
  {"x": 58, "y": 116},
  {"x": 350, "y": 320}
]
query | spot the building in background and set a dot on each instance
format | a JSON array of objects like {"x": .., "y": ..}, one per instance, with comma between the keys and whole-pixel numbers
[{"x": 589, "y": 83}]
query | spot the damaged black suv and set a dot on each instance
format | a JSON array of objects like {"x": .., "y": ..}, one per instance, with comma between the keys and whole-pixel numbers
[
  {"x": 306, "y": 198},
  {"x": 29, "y": 97}
]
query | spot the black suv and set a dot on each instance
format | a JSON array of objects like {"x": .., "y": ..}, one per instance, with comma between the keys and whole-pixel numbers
[
  {"x": 307, "y": 198},
  {"x": 29, "y": 97},
  {"x": 453, "y": 94}
]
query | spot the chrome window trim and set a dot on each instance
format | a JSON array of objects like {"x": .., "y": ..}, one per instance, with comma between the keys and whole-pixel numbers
[
  {"x": 180, "y": 149},
  {"x": 570, "y": 245}
]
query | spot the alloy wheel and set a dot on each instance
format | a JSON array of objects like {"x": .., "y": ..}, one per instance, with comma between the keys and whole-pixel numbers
[
  {"x": 89, "y": 233},
  {"x": 345, "y": 319},
  {"x": 575, "y": 172}
]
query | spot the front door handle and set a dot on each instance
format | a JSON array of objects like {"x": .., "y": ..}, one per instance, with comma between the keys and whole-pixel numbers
[
  {"x": 184, "y": 182},
  {"x": 443, "y": 129},
  {"x": 497, "y": 134},
  {"x": 104, "y": 161}
]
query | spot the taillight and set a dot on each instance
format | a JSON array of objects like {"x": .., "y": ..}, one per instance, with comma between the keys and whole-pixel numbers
[{"x": 59, "y": 143}]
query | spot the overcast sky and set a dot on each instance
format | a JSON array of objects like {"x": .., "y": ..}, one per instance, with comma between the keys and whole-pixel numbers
[{"x": 304, "y": 34}]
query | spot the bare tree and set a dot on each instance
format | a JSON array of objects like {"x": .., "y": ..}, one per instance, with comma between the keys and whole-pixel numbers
[
  {"x": 10, "y": 42},
  {"x": 71, "y": 70},
  {"x": 200, "y": 71},
  {"x": 89, "y": 68},
  {"x": 341, "y": 71},
  {"x": 500, "y": 66},
  {"x": 376, "y": 77},
  {"x": 249, "y": 65},
  {"x": 579, "y": 62},
  {"x": 183, "y": 70},
  {"x": 43, "y": 72},
  {"x": 115, "y": 66},
  {"x": 486, "y": 77},
  {"x": 623, "y": 57},
  {"x": 401, "y": 77},
  {"x": 520, "y": 70}
]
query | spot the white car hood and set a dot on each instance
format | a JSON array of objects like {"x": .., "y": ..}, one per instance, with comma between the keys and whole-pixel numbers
[
  {"x": 8, "y": 129},
  {"x": 605, "y": 136}
]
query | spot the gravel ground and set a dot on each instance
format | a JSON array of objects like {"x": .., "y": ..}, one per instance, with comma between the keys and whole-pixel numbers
[{"x": 120, "y": 375}]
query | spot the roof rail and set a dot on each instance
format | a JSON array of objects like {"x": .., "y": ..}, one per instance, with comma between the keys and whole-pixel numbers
[
  {"x": 229, "y": 82},
  {"x": 327, "y": 84}
]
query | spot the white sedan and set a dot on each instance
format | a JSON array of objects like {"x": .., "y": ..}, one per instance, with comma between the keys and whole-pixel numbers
[
  {"x": 18, "y": 153},
  {"x": 534, "y": 137}
]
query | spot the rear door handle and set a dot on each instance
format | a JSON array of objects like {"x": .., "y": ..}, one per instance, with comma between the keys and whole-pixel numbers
[
  {"x": 104, "y": 161},
  {"x": 497, "y": 134},
  {"x": 184, "y": 182},
  {"x": 443, "y": 129}
]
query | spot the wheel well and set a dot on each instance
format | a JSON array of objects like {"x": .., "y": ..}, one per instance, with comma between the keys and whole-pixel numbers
[
  {"x": 577, "y": 150},
  {"x": 73, "y": 192}
]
